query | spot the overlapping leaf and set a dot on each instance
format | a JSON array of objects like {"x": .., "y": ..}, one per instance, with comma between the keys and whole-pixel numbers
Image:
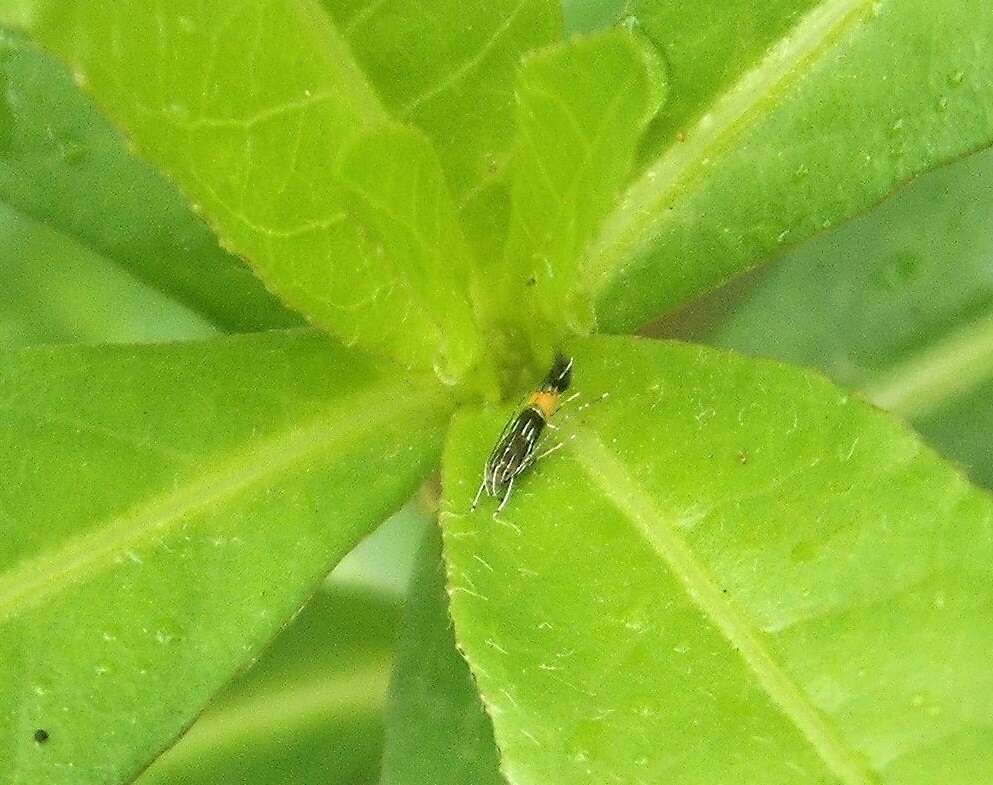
[
  {"x": 64, "y": 167},
  {"x": 248, "y": 106},
  {"x": 438, "y": 732},
  {"x": 819, "y": 115},
  {"x": 732, "y": 572},
  {"x": 309, "y": 711},
  {"x": 165, "y": 510},
  {"x": 582, "y": 108},
  {"x": 398, "y": 189},
  {"x": 448, "y": 67}
]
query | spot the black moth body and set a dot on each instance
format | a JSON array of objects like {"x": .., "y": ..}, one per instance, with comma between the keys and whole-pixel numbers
[{"x": 515, "y": 449}]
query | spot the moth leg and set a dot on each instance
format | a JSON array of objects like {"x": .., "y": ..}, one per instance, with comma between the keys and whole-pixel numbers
[
  {"x": 588, "y": 404},
  {"x": 506, "y": 496},
  {"x": 552, "y": 449},
  {"x": 479, "y": 493}
]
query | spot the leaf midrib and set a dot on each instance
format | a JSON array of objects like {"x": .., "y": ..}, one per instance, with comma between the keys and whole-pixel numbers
[
  {"x": 630, "y": 498},
  {"x": 639, "y": 214},
  {"x": 37, "y": 578}
]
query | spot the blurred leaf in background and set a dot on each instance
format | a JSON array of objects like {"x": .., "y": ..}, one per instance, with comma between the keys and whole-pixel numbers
[
  {"x": 55, "y": 289},
  {"x": 311, "y": 709},
  {"x": 95, "y": 245},
  {"x": 897, "y": 303},
  {"x": 438, "y": 731}
]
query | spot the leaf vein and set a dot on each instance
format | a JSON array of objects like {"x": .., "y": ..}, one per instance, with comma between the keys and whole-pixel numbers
[
  {"x": 466, "y": 68},
  {"x": 638, "y": 218},
  {"x": 618, "y": 486},
  {"x": 35, "y": 579}
]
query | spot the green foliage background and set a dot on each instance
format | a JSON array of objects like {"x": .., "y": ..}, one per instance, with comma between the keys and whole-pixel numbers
[{"x": 734, "y": 571}]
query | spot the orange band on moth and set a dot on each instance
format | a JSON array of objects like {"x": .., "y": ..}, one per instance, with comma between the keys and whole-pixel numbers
[{"x": 545, "y": 402}]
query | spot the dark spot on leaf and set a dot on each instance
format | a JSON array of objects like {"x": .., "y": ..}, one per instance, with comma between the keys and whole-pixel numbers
[
  {"x": 532, "y": 281},
  {"x": 41, "y": 735},
  {"x": 742, "y": 457}
]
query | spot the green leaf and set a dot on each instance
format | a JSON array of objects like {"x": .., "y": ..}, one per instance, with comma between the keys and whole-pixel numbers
[
  {"x": 882, "y": 288},
  {"x": 581, "y": 109},
  {"x": 166, "y": 509},
  {"x": 448, "y": 67},
  {"x": 733, "y": 572},
  {"x": 898, "y": 303},
  {"x": 54, "y": 290},
  {"x": 248, "y": 106},
  {"x": 853, "y": 98},
  {"x": 437, "y": 730},
  {"x": 399, "y": 191},
  {"x": 962, "y": 428},
  {"x": 586, "y": 16},
  {"x": 63, "y": 166},
  {"x": 309, "y": 711},
  {"x": 709, "y": 47}
]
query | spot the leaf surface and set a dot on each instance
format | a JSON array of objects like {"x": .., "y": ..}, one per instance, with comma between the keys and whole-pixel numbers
[
  {"x": 733, "y": 572},
  {"x": 55, "y": 290},
  {"x": 448, "y": 67},
  {"x": 310, "y": 710},
  {"x": 166, "y": 509},
  {"x": 248, "y": 107},
  {"x": 710, "y": 47},
  {"x": 398, "y": 189},
  {"x": 66, "y": 168},
  {"x": 581, "y": 109},
  {"x": 832, "y": 111},
  {"x": 586, "y": 16},
  {"x": 437, "y": 730},
  {"x": 898, "y": 303}
]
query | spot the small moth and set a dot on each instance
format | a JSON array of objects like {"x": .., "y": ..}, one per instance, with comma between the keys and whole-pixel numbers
[{"x": 515, "y": 449}]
